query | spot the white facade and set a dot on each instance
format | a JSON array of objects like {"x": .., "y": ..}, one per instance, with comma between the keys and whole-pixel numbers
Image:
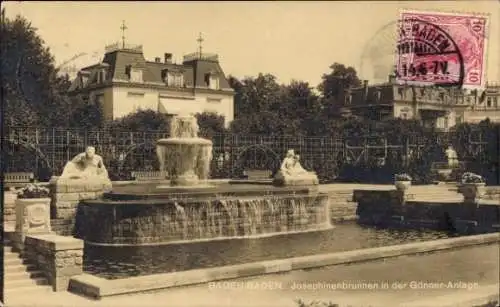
[{"x": 126, "y": 100}]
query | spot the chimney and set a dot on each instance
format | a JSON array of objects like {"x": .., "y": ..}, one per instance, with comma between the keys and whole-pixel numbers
[
  {"x": 168, "y": 58},
  {"x": 157, "y": 60}
]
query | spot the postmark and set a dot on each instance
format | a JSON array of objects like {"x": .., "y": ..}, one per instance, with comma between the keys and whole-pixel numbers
[{"x": 441, "y": 49}]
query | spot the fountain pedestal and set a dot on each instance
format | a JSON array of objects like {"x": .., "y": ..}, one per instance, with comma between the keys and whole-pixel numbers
[
  {"x": 305, "y": 179},
  {"x": 187, "y": 179}
]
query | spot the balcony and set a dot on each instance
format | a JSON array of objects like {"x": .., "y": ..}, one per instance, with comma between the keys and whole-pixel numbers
[
  {"x": 201, "y": 56},
  {"x": 119, "y": 46}
]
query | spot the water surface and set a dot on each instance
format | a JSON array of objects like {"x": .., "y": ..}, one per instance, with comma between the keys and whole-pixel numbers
[{"x": 122, "y": 262}]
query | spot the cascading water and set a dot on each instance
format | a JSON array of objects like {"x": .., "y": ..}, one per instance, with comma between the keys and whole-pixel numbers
[
  {"x": 185, "y": 156},
  {"x": 190, "y": 209}
]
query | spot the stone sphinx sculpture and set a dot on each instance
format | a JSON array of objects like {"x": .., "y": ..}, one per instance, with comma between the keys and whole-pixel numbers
[
  {"x": 292, "y": 173},
  {"x": 85, "y": 172},
  {"x": 84, "y": 177},
  {"x": 86, "y": 165}
]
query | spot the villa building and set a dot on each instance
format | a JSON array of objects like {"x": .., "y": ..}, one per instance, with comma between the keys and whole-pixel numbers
[
  {"x": 125, "y": 82},
  {"x": 440, "y": 107}
]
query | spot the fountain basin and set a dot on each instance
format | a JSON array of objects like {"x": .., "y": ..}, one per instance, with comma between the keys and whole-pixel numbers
[
  {"x": 159, "y": 216},
  {"x": 184, "y": 141}
]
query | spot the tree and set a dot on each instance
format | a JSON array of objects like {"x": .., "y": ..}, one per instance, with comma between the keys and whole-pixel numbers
[
  {"x": 83, "y": 114},
  {"x": 29, "y": 77},
  {"x": 253, "y": 95},
  {"x": 334, "y": 85},
  {"x": 210, "y": 124},
  {"x": 301, "y": 107},
  {"x": 142, "y": 120}
]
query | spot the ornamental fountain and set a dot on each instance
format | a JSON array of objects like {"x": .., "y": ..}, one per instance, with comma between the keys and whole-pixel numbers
[
  {"x": 187, "y": 209},
  {"x": 185, "y": 156}
]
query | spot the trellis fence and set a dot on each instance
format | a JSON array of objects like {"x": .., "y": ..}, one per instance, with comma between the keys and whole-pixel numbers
[{"x": 45, "y": 151}]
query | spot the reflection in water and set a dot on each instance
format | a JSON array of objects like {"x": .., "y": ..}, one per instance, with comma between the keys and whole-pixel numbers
[{"x": 122, "y": 262}]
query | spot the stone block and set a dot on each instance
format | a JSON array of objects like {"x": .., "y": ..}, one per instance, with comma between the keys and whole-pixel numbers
[
  {"x": 32, "y": 217},
  {"x": 69, "y": 197},
  {"x": 60, "y": 258},
  {"x": 87, "y": 195},
  {"x": 66, "y": 213},
  {"x": 66, "y": 204}
]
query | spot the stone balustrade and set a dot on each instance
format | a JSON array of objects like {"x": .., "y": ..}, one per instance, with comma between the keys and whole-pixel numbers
[{"x": 59, "y": 258}]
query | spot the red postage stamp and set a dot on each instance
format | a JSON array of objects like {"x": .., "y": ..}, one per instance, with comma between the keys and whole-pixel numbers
[{"x": 441, "y": 49}]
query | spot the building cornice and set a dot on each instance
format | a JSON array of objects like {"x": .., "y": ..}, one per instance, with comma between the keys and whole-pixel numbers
[{"x": 155, "y": 86}]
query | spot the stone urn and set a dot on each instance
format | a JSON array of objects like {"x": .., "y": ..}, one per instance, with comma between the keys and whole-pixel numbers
[
  {"x": 472, "y": 191},
  {"x": 402, "y": 185},
  {"x": 32, "y": 217}
]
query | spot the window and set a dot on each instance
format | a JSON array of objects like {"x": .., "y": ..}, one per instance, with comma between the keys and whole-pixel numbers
[
  {"x": 99, "y": 99},
  {"x": 495, "y": 102},
  {"x": 135, "y": 75},
  {"x": 401, "y": 92},
  {"x": 173, "y": 79},
  {"x": 348, "y": 99},
  {"x": 213, "y": 100},
  {"x": 135, "y": 95},
  {"x": 212, "y": 81},
  {"x": 135, "y": 100},
  {"x": 488, "y": 102},
  {"x": 101, "y": 76}
]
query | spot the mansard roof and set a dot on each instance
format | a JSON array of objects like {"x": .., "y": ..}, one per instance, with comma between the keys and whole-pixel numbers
[{"x": 193, "y": 69}]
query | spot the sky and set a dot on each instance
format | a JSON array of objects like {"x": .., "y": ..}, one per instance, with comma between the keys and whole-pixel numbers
[{"x": 291, "y": 40}]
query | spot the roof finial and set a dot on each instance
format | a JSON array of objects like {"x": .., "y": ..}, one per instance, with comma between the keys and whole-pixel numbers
[
  {"x": 200, "y": 41},
  {"x": 123, "y": 28}
]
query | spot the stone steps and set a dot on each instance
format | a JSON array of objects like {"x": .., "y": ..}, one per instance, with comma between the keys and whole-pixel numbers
[{"x": 20, "y": 276}]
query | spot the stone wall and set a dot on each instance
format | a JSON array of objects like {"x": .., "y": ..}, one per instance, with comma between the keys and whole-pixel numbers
[
  {"x": 342, "y": 206},
  {"x": 493, "y": 193},
  {"x": 66, "y": 195},
  {"x": 387, "y": 209},
  {"x": 149, "y": 222},
  {"x": 58, "y": 257}
]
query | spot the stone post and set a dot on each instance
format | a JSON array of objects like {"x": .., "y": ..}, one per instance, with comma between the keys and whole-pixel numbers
[
  {"x": 32, "y": 217},
  {"x": 9, "y": 207},
  {"x": 58, "y": 257},
  {"x": 67, "y": 193}
]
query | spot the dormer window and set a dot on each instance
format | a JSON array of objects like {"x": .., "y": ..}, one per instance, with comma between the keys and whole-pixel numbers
[
  {"x": 401, "y": 92},
  {"x": 348, "y": 99},
  {"x": 173, "y": 78},
  {"x": 212, "y": 81},
  {"x": 134, "y": 74},
  {"x": 101, "y": 76}
]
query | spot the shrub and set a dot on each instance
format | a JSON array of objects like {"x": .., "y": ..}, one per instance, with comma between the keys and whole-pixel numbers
[
  {"x": 33, "y": 190},
  {"x": 471, "y": 178},
  {"x": 402, "y": 177}
]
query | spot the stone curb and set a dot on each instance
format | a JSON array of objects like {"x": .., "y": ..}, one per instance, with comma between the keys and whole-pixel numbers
[
  {"x": 99, "y": 287},
  {"x": 118, "y": 183},
  {"x": 479, "y": 297}
]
